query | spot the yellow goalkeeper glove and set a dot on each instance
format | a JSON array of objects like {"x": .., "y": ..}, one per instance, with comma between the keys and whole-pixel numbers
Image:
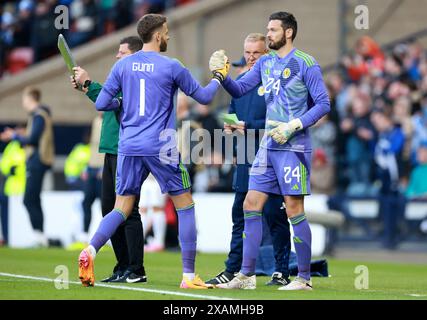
[
  {"x": 219, "y": 65},
  {"x": 283, "y": 131}
]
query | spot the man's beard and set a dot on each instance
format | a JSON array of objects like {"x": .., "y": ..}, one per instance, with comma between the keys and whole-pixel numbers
[
  {"x": 163, "y": 46},
  {"x": 277, "y": 45}
]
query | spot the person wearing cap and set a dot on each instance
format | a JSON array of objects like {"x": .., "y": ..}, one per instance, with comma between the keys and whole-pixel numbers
[
  {"x": 240, "y": 65},
  {"x": 251, "y": 110}
]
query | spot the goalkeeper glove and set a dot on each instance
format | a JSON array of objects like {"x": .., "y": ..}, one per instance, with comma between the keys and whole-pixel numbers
[
  {"x": 219, "y": 65},
  {"x": 283, "y": 131}
]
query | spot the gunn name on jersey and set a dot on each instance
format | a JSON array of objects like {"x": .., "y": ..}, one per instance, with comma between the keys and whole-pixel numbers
[{"x": 143, "y": 67}]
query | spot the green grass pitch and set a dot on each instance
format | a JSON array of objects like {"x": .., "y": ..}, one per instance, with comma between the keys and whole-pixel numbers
[{"x": 386, "y": 280}]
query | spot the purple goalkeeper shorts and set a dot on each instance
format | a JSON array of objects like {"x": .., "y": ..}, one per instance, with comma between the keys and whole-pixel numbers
[
  {"x": 281, "y": 172},
  {"x": 173, "y": 177}
]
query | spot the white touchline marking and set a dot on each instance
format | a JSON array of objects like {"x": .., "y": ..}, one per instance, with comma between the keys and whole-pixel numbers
[
  {"x": 190, "y": 295},
  {"x": 416, "y": 295}
]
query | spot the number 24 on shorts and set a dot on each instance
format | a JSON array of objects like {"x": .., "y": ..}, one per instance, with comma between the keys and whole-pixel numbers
[{"x": 289, "y": 174}]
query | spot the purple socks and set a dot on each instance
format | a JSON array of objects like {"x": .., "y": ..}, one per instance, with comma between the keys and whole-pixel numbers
[
  {"x": 187, "y": 236},
  {"x": 107, "y": 227},
  {"x": 302, "y": 242},
  {"x": 252, "y": 236}
]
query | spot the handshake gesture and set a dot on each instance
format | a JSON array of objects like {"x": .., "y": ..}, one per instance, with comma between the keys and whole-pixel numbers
[{"x": 219, "y": 65}]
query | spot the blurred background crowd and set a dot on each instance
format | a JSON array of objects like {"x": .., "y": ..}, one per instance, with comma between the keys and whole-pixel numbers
[
  {"x": 27, "y": 34},
  {"x": 376, "y": 134}
]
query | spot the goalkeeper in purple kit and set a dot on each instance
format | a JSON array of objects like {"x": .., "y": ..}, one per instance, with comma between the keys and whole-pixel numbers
[
  {"x": 296, "y": 98},
  {"x": 149, "y": 82}
]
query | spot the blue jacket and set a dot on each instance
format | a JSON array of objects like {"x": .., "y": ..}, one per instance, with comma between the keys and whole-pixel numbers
[
  {"x": 388, "y": 154},
  {"x": 251, "y": 109}
]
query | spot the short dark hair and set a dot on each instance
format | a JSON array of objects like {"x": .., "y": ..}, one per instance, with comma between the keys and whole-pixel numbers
[
  {"x": 134, "y": 43},
  {"x": 34, "y": 93},
  {"x": 288, "y": 21},
  {"x": 148, "y": 24}
]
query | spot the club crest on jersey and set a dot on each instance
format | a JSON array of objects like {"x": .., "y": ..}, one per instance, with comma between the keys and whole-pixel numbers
[
  {"x": 261, "y": 91},
  {"x": 286, "y": 73}
]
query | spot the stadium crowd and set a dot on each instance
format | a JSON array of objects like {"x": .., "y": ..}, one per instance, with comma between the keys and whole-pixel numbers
[
  {"x": 28, "y": 35},
  {"x": 374, "y": 142},
  {"x": 378, "y": 122}
]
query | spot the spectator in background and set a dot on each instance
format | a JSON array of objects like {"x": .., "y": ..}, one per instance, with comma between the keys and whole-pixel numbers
[
  {"x": 44, "y": 35},
  {"x": 213, "y": 175},
  {"x": 417, "y": 187},
  {"x": 402, "y": 117},
  {"x": 368, "y": 59},
  {"x": 359, "y": 145},
  {"x": 340, "y": 96},
  {"x": 23, "y": 26},
  {"x": 65, "y": 2},
  {"x": 106, "y": 15},
  {"x": 30, "y": 23},
  {"x": 156, "y": 6},
  {"x": 143, "y": 7},
  {"x": 12, "y": 182},
  {"x": 84, "y": 15},
  {"x": 221, "y": 178},
  {"x": 323, "y": 136},
  {"x": 388, "y": 152},
  {"x": 396, "y": 90},
  {"x": 39, "y": 145},
  {"x": 207, "y": 120},
  {"x": 185, "y": 128},
  {"x": 124, "y": 13},
  {"x": 412, "y": 61},
  {"x": 7, "y": 20},
  {"x": 392, "y": 69},
  {"x": 75, "y": 164},
  {"x": 420, "y": 129}
]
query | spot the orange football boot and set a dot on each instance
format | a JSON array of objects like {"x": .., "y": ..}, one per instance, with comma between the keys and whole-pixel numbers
[{"x": 86, "y": 273}]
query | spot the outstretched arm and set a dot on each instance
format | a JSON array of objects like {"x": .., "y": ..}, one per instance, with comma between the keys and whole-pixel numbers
[
  {"x": 205, "y": 95},
  {"x": 36, "y": 132},
  {"x": 238, "y": 88},
  {"x": 185, "y": 81}
]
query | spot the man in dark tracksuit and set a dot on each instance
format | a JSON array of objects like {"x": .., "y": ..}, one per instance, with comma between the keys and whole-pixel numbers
[
  {"x": 128, "y": 241},
  {"x": 251, "y": 109},
  {"x": 39, "y": 149}
]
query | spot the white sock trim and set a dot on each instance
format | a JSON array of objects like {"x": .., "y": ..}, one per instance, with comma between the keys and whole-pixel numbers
[
  {"x": 92, "y": 251},
  {"x": 189, "y": 276}
]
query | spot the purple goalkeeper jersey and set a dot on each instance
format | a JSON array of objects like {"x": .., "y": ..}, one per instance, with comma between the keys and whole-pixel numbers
[
  {"x": 293, "y": 87},
  {"x": 149, "y": 82}
]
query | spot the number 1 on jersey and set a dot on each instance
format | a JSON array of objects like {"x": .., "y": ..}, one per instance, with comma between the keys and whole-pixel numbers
[{"x": 141, "y": 97}]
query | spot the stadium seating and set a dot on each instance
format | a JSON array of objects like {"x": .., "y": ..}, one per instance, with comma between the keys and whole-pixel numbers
[{"x": 19, "y": 59}]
